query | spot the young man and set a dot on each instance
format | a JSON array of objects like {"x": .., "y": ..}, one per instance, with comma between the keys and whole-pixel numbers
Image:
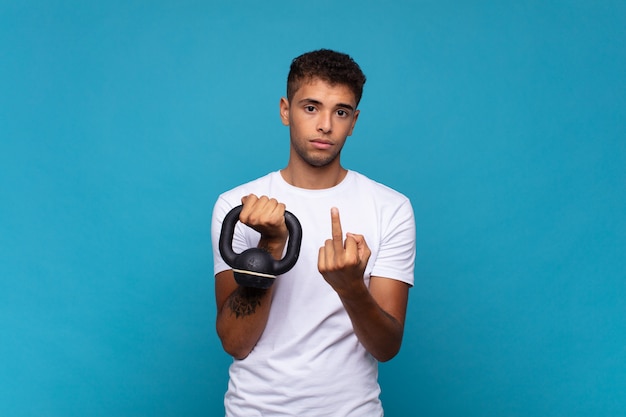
[{"x": 310, "y": 344}]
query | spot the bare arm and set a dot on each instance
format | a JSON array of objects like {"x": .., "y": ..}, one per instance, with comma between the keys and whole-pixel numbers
[
  {"x": 377, "y": 313},
  {"x": 378, "y": 316},
  {"x": 242, "y": 312}
]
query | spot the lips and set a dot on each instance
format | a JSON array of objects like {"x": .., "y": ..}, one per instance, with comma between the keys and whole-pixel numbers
[{"x": 321, "y": 143}]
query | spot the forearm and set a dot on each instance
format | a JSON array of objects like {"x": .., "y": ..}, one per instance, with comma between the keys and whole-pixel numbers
[
  {"x": 378, "y": 331},
  {"x": 243, "y": 313},
  {"x": 242, "y": 319}
]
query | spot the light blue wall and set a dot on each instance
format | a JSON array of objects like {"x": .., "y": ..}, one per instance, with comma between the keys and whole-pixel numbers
[{"x": 504, "y": 122}]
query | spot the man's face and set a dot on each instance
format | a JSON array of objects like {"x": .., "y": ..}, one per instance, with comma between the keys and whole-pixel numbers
[{"x": 320, "y": 117}]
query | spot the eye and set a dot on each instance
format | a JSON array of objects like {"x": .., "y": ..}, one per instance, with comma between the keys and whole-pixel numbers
[
  {"x": 342, "y": 113},
  {"x": 309, "y": 108}
]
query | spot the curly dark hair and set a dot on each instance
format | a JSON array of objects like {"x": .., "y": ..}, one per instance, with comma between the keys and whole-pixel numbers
[{"x": 327, "y": 65}]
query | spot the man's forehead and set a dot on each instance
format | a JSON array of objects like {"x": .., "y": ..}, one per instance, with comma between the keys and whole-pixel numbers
[{"x": 308, "y": 88}]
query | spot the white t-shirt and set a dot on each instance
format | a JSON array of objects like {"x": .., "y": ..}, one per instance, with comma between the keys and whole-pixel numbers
[{"x": 308, "y": 361}]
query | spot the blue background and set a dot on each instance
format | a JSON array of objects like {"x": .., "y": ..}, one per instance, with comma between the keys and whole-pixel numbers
[{"x": 504, "y": 122}]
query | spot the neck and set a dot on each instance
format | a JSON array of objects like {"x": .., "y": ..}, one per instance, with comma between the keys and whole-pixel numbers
[{"x": 314, "y": 178}]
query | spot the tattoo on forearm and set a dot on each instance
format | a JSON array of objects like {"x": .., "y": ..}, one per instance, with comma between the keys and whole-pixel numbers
[{"x": 244, "y": 301}]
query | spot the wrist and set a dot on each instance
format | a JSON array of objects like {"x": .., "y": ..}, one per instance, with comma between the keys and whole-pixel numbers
[
  {"x": 274, "y": 246},
  {"x": 352, "y": 293}
]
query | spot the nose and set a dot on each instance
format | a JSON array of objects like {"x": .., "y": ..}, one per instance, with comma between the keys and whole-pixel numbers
[{"x": 324, "y": 122}]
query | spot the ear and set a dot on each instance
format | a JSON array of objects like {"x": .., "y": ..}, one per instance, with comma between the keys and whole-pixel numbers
[
  {"x": 356, "y": 116},
  {"x": 284, "y": 111}
]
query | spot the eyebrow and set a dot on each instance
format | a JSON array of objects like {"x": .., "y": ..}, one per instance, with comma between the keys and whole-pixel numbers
[{"x": 317, "y": 102}]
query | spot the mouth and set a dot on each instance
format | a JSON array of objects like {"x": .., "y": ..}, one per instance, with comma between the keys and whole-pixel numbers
[{"x": 321, "y": 143}]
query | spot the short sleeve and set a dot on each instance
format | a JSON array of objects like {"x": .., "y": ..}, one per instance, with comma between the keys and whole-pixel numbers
[{"x": 396, "y": 256}]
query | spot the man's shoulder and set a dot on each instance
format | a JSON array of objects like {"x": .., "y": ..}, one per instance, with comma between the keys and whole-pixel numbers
[
  {"x": 378, "y": 188},
  {"x": 252, "y": 184},
  {"x": 256, "y": 186}
]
